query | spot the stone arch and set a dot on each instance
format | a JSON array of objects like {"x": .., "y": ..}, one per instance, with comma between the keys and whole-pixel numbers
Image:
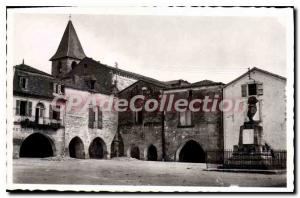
[
  {"x": 37, "y": 145},
  {"x": 133, "y": 152},
  {"x": 97, "y": 149},
  {"x": 76, "y": 148},
  {"x": 151, "y": 153},
  {"x": 190, "y": 151},
  {"x": 117, "y": 146}
]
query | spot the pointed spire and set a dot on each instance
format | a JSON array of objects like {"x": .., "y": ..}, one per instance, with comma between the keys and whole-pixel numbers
[{"x": 69, "y": 45}]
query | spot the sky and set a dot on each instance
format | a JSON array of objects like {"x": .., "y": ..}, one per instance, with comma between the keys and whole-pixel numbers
[{"x": 164, "y": 47}]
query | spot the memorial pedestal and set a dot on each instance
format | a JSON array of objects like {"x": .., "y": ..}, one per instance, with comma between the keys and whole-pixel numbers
[{"x": 251, "y": 151}]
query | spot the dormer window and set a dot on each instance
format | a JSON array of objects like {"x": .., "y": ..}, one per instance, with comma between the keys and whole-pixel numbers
[
  {"x": 23, "y": 82},
  {"x": 73, "y": 65},
  {"x": 58, "y": 88}
]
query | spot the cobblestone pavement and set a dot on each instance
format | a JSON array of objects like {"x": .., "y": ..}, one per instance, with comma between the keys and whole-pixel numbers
[{"x": 124, "y": 171}]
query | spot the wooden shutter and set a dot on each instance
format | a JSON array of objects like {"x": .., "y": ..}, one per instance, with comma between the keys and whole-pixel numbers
[
  {"x": 26, "y": 83},
  {"x": 29, "y": 108},
  {"x": 58, "y": 89},
  {"x": 50, "y": 112},
  {"x": 259, "y": 87},
  {"x": 188, "y": 115},
  {"x": 54, "y": 88},
  {"x": 62, "y": 87},
  {"x": 182, "y": 119},
  {"x": 91, "y": 117},
  {"x": 18, "y": 107},
  {"x": 244, "y": 90},
  {"x": 99, "y": 118}
]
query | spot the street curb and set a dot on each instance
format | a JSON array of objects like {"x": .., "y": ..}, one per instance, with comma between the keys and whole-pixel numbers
[{"x": 247, "y": 171}]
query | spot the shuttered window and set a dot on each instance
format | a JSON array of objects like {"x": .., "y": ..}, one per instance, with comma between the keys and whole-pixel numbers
[
  {"x": 252, "y": 89},
  {"x": 23, "y": 82}
]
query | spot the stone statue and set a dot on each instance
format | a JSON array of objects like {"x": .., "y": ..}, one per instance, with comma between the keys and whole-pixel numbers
[{"x": 252, "y": 109}]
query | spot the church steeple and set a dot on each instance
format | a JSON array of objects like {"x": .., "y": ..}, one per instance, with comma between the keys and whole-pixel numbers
[{"x": 69, "y": 52}]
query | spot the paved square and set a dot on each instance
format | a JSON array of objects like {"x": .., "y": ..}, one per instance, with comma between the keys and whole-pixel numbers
[{"x": 124, "y": 171}]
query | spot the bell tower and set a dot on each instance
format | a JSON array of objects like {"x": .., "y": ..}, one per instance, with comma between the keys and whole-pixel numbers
[{"x": 68, "y": 54}]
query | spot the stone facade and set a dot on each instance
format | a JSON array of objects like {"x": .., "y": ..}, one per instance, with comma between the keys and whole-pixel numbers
[
  {"x": 205, "y": 128},
  {"x": 141, "y": 129}
]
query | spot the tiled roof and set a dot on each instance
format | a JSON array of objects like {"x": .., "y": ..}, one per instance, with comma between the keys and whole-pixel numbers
[
  {"x": 28, "y": 68},
  {"x": 69, "y": 45},
  {"x": 256, "y": 69},
  {"x": 40, "y": 84}
]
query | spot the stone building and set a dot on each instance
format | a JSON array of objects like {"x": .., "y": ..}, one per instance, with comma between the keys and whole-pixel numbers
[
  {"x": 190, "y": 134},
  {"x": 142, "y": 130},
  {"x": 36, "y": 124},
  {"x": 269, "y": 89}
]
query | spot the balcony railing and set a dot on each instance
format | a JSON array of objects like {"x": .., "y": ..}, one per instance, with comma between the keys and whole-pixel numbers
[{"x": 40, "y": 122}]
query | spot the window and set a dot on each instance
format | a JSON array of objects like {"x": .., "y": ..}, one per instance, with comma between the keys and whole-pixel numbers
[
  {"x": 73, "y": 65},
  {"x": 59, "y": 67},
  {"x": 190, "y": 94},
  {"x": 139, "y": 117},
  {"x": 185, "y": 118},
  {"x": 84, "y": 68},
  {"x": 92, "y": 84},
  {"x": 55, "y": 113},
  {"x": 58, "y": 88},
  {"x": 252, "y": 89},
  {"x": 23, "y": 108},
  {"x": 100, "y": 122},
  {"x": 23, "y": 82},
  {"x": 92, "y": 117}
]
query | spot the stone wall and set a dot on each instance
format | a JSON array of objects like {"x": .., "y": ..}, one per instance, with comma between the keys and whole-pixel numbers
[
  {"x": 149, "y": 131},
  {"x": 205, "y": 129},
  {"x": 76, "y": 124}
]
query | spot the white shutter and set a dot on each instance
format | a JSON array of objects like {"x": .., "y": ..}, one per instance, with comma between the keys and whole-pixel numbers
[
  {"x": 58, "y": 89},
  {"x": 54, "y": 88},
  {"x": 259, "y": 87},
  {"x": 182, "y": 119},
  {"x": 188, "y": 115},
  {"x": 244, "y": 90}
]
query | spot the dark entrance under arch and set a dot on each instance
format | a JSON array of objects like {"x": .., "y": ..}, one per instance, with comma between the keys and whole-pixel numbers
[
  {"x": 192, "y": 152},
  {"x": 152, "y": 153},
  {"x": 135, "y": 152},
  {"x": 37, "y": 146},
  {"x": 76, "y": 148},
  {"x": 96, "y": 149}
]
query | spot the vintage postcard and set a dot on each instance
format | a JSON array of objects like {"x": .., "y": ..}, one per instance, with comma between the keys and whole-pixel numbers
[{"x": 150, "y": 99}]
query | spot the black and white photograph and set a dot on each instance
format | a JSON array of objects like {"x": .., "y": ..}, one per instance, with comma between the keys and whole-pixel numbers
[{"x": 150, "y": 99}]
